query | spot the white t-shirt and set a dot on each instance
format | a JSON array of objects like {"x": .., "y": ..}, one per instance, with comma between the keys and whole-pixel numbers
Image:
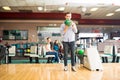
[{"x": 48, "y": 48}]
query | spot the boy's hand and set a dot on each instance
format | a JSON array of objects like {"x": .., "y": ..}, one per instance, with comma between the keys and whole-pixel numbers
[{"x": 66, "y": 28}]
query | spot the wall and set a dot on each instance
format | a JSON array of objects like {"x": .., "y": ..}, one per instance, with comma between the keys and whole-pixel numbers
[{"x": 31, "y": 26}]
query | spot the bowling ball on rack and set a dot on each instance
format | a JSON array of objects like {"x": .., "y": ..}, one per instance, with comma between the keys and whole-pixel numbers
[{"x": 28, "y": 50}]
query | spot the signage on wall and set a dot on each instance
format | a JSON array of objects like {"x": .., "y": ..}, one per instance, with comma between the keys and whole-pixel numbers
[
  {"x": 48, "y": 31},
  {"x": 44, "y": 32},
  {"x": 90, "y": 34},
  {"x": 15, "y": 34}
]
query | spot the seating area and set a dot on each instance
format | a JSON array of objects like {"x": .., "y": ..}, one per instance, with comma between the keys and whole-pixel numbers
[
  {"x": 37, "y": 53},
  {"x": 110, "y": 54}
]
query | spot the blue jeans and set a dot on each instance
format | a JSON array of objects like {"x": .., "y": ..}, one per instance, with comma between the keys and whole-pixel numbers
[
  {"x": 69, "y": 46},
  {"x": 56, "y": 58}
]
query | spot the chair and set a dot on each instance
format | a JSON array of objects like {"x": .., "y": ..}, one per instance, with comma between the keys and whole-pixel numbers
[
  {"x": 33, "y": 53},
  {"x": 11, "y": 53},
  {"x": 2, "y": 54},
  {"x": 117, "y": 55},
  {"x": 36, "y": 52},
  {"x": 108, "y": 52}
]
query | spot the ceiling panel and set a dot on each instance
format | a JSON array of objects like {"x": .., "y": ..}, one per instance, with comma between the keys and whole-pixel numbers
[
  {"x": 53, "y": 5},
  {"x": 30, "y": 2},
  {"x": 38, "y": 2},
  {"x": 3, "y": 3},
  {"x": 12, "y": 2},
  {"x": 21, "y": 2}
]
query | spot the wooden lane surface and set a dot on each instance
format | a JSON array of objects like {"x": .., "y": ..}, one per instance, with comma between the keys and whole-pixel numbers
[{"x": 55, "y": 72}]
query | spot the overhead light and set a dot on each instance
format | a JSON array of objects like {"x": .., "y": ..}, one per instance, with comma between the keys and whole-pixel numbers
[
  {"x": 61, "y": 8},
  {"x": 6, "y": 8},
  {"x": 109, "y": 14},
  {"x": 94, "y": 9},
  {"x": 117, "y": 10},
  {"x": 84, "y": 9},
  {"x": 40, "y": 8}
]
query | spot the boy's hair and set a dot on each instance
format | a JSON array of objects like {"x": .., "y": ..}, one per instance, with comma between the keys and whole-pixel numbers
[{"x": 68, "y": 13}]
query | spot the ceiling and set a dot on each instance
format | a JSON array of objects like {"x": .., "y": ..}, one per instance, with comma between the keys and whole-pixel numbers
[{"x": 74, "y": 6}]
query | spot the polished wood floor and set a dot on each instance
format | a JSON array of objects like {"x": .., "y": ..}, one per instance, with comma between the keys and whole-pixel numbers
[{"x": 55, "y": 72}]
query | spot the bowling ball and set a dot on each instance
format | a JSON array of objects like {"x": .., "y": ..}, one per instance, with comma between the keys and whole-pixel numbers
[
  {"x": 68, "y": 22},
  {"x": 28, "y": 50},
  {"x": 81, "y": 52}
]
